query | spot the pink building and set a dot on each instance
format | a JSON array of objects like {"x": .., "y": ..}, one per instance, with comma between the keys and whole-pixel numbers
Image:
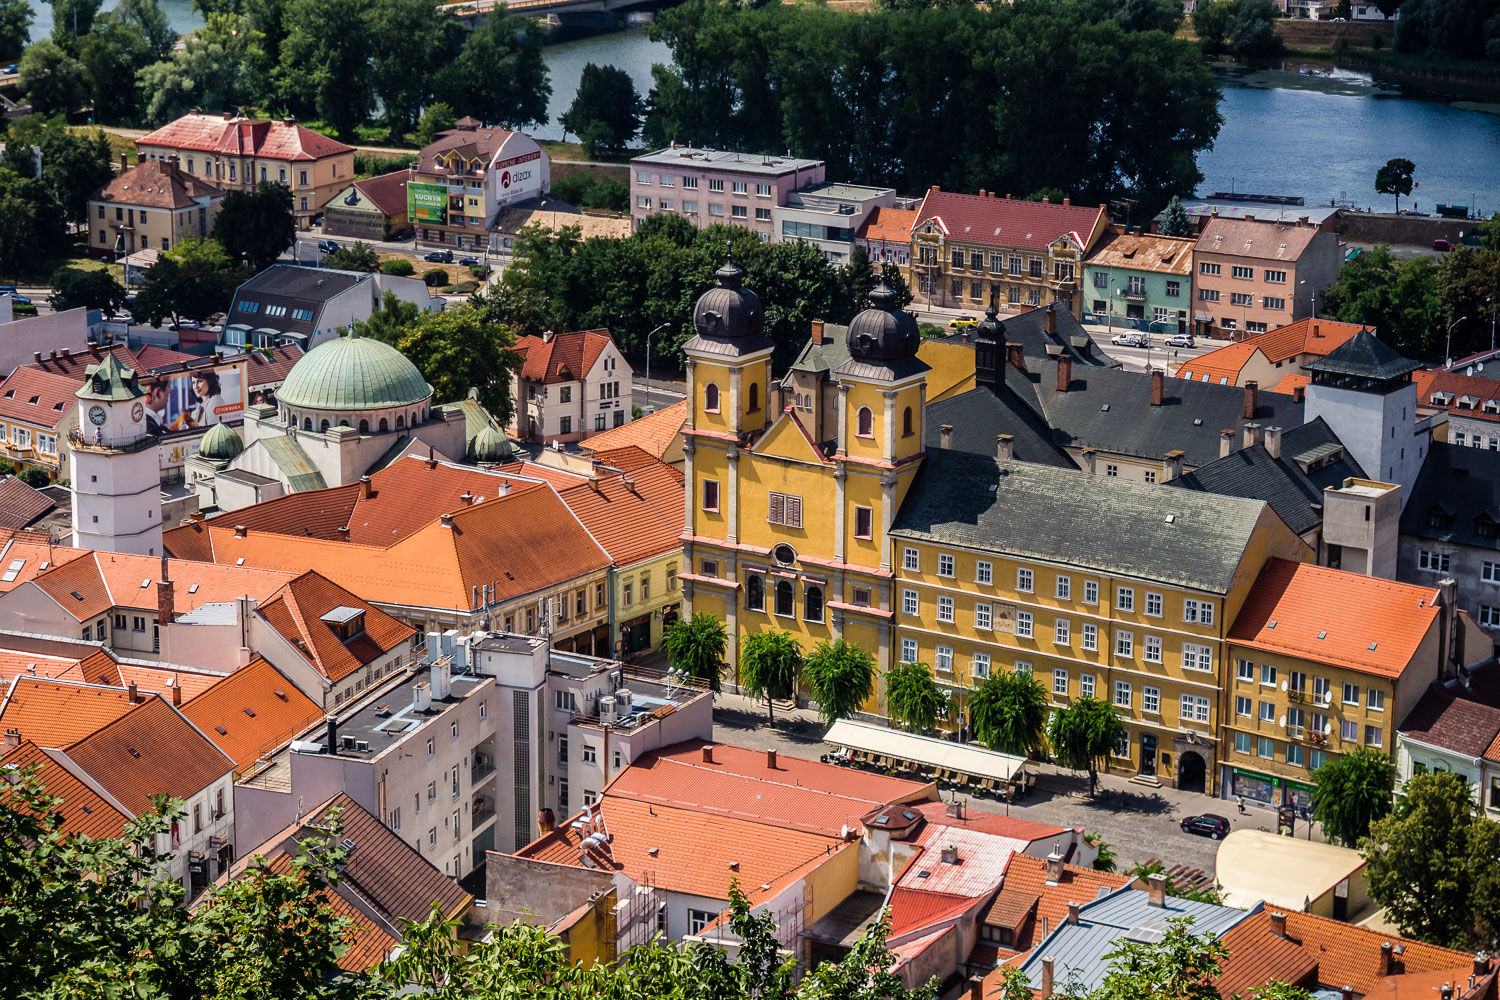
[{"x": 708, "y": 186}]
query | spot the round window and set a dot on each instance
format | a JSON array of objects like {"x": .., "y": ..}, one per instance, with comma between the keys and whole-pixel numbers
[{"x": 784, "y": 554}]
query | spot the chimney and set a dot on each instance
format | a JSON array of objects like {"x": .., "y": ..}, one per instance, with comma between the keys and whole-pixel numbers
[
  {"x": 1156, "y": 889},
  {"x": 333, "y": 733},
  {"x": 240, "y": 530},
  {"x": 1072, "y": 913},
  {"x": 132, "y": 697},
  {"x": 1252, "y": 399},
  {"x": 708, "y": 754},
  {"x": 1016, "y": 356},
  {"x": 771, "y": 759},
  {"x": 1054, "y": 867},
  {"x": 1481, "y": 963},
  {"x": 1278, "y": 923},
  {"x": 1273, "y": 442},
  {"x": 1446, "y": 992},
  {"x": 1088, "y": 455},
  {"x": 1384, "y": 969},
  {"x": 950, "y": 855},
  {"x": 1303, "y": 220},
  {"x": 1250, "y": 435},
  {"x": 446, "y": 520},
  {"x": 1171, "y": 466},
  {"x": 12, "y": 738},
  {"x": 467, "y": 499},
  {"x": 364, "y": 487},
  {"x": 1064, "y": 372},
  {"x": 165, "y": 604},
  {"x": 1046, "y": 989},
  {"x": 1050, "y": 321},
  {"x": 817, "y": 331},
  {"x": 1226, "y": 442},
  {"x": 546, "y": 821},
  {"x": 1346, "y": 992},
  {"x": 36, "y": 357},
  {"x": 1005, "y": 447},
  {"x": 945, "y": 436},
  {"x": 124, "y": 163},
  {"x": 1067, "y": 201},
  {"x": 1297, "y": 393},
  {"x": 176, "y": 687},
  {"x": 1158, "y": 387}
]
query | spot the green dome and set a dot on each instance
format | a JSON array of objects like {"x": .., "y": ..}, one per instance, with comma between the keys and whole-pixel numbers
[
  {"x": 353, "y": 373},
  {"x": 221, "y": 443},
  {"x": 491, "y": 445}
]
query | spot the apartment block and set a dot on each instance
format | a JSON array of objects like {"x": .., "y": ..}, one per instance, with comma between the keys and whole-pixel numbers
[
  {"x": 716, "y": 186},
  {"x": 1251, "y": 276}
]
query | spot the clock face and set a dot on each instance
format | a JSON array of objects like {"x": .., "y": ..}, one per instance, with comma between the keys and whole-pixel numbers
[
  {"x": 97, "y": 415},
  {"x": 136, "y": 411}
]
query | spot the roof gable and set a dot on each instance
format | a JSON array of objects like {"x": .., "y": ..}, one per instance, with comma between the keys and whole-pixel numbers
[
  {"x": 84, "y": 812},
  {"x": 151, "y": 750},
  {"x": 1007, "y": 222},
  {"x": 565, "y": 357},
  {"x": 56, "y": 713},
  {"x": 788, "y": 438},
  {"x": 653, "y": 433},
  {"x": 297, "y": 611},
  {"x": 251, "y": 712}
]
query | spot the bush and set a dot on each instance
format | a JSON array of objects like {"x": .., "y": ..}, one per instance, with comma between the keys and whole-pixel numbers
[
  {"x": 373, "y": 165},
  {"x": 399, "y": 267},
  {"x": 7, "y": 467},
  {"x": 479, "y": 271},
  {"x": 464, "y": 288},
  {"x": 35, "y": 478},
  {"x": 572, "y": 188},
  {"x": 929, "y": 330},
  {"x": 435, "y": 277},
  {"x": 580, "y": 188}
]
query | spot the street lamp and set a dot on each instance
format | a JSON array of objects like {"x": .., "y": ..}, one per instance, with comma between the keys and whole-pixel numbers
[
  {"x": 1493, "y": 304},
  {"x": 1313, "y": 295},
  {"x": 1448, "y": 345},
  {"x": 1109, "y": 304},
  {"x": 648, "y": 361},
  {"x": 1244, "y": 307}
]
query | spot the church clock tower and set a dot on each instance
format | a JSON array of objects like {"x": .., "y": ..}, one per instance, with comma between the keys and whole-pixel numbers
[{"x": 114, "y": 465}]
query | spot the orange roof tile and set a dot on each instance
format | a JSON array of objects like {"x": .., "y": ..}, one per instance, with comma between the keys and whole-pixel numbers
[
  {"x": 1014, "y": 827},
  {"x": 566, "y": 357},
  {"x": 37, "y": 398},
  {"x": 1221, "y": 366},
  {"x": 641, "y": 519},
  {"x": 35, "y": 552},
  {"x": 156, "y": 184},
  {"x": 1426, "y": 985},
  {"x": 652, "y": 433},
  {"x": 232, "y": 136},
  {"x": 1331, "y": 616},
  {"x": 27, "y": 663},
  {"x": 1026, "y": 880},
  {"x": 157, "y": 678},
  {"x": 914, "y": 908},
  {"x": 1466, "y": 395},
  {"x": 150, "y": 750},
  {"x": 558, "y": 479},
  {"x": 684, "y": 850},
  {"x": 296, "y": 611},
  {"x": 251, "y": 712},
  {"x": 1258, "y": 955},
  {"x": 71, "y": 364},
  {"x": 310, "y": 513},
  {"x": 889, "y": 225},
  {"x": 1309, "y": 336},
  {"x": 153, "y": 358},
  {"x": 1289, "y": 384},
  {"x": 1493, "y": 753},
  {"x": 56, "y": 713},
  {"x": 1144, "y": 252},
  {"x": 982, "y": 859},
  {"x": 100, "y": 581},
  {"x": 1350, "y": 955},
  {"x": 84, "y": 812}
]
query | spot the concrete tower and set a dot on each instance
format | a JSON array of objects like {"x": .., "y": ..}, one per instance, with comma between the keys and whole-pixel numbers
[{"x": 116, "y": 476}]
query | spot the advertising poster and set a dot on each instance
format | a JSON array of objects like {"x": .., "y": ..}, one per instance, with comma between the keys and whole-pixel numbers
[
  {"x": 427, "y": 204},
  {"x": 183, "y": 401}
]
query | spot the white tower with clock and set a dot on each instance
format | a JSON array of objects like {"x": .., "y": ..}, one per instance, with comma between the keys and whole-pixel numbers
[{"x": 116, "y": 475}]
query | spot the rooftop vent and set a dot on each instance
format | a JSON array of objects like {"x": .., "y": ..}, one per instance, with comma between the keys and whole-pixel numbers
[
  {"x": 133, "y": 752},
  {"x": 1373, "y": 645},
  {"x": 1271, "y": 623},
  {"x": 250, "y": 712},
  {"x": 221, "y": 730}
]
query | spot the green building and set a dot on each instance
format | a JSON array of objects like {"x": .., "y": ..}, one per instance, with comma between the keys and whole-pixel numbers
[{"x": 1141, "y": 281}]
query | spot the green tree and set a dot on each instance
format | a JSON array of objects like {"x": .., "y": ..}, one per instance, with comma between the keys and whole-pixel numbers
[
  {"x": 115, "y": 50},
  {"x": 1489, "y": 232},
  {"x": 257, "y": 226},
  {"x": 896, "y": 282},
  {"x": 769, "y": 665},
  {"x": 390, "y": 320},
  {"x": 913, "y": 697},
  {"x": 24, "y": 222},
  {"x": 1395, "y": 178},
  {"x": 458, "y": 349},
  {"x": 1431, "y": 863},
  {"x": 219, "y": 66},
  {"x": 16, "y": 18},
  {"x": 1175, "y": 221},
  {"x": 73, "y": 288},
  {"x": 1467, "y": 284},
  {"x": 325, "y": 61},
  {"x": 1106, "y": 860},
  {"x": 35, "y": 477},
  {"x": 840, "y": 677},
  {"x": 1211, "y": 22},
  {"x": 1252, "y": 28},
  {"x": 398, "y": 266},
  {"x": 1174, "y": 888},
  {"x": 503, "y": 75},
  {"x": 1354, "y": 790},
  {"x": 1083, "y": 735},
  {"x": 1008, "y": 711},
  {"x": 151, "y": 18},
  {"x": 410, "y": 40},
  {"x": 858, "y": 279},
  {"x": 193, "y": 280},
  {"x": 72, "y": 19},
  {"x": 359, "y": 256},
  {"x": 438, "y": 118},
  {"x": 1398, "y": 298},
  {"x": 52, "y": 80},
  {"x": 695, "y": 646},
  {"x": 1182, "y": 966},
  {"x": 606, "y": 112}
]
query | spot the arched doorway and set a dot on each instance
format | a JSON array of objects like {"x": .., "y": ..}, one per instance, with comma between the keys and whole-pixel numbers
[{"x": 1190, "y": 771}]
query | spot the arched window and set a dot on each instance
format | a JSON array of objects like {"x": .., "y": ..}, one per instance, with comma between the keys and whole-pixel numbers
[
  {"x": 864, "y": 423},
  {"x": 364, "y": 427},
  {"x": 755, "y": 593},
  {"x": 906, "y": 423},
  {"x": 324, "y": 428},
  {"x": 754, "y": 398},
  {"x": 786, "y": 604},
  {"x": 343, "y": 423},
  {"x": 384, "y": 426},
  {"x": 711, "y": 398},
  {"x": 400, "y": 420},
  {"x": 812, "y": 604},
  {"x": 307, "y": 423}
]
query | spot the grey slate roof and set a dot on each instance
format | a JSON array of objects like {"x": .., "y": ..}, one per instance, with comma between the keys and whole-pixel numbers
[
  {"x": 1091, "y": 522},
  {"x": 895, "y": 368},
  {"x": 1110, "y": 409},
  {"x": 980, "y": 414},
  {"x": 1079, "y": 950},
  {"x": 1457, "y": 486},
  {"x": 1366, "y": 356},
  {"x": 292, "y": 286},
  {"x": 1029, "y": 329},
  {"x": 1282, "y": 482}
]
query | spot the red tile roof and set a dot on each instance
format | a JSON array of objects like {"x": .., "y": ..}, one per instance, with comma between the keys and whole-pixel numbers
[
  {"x": 387, "y": 192},
  {"x": 1026, "y": 880},
  {"x": 635, "y": 514},
  {"x": 269, "y": 371},
  {"x": 653, "y": 433},
  {"x": 36, "y": 552},
  {"x": 1493, "y": 753},
  {"x": 1448, "y": 719},
  {"x": 84, "y": 812},
  {"x": 889, "y": 225},
  {"x": 40, "y": 399},
  {"x": 21, "y": 504},
  {"x": 369, "y": 941},
  {"x": 153, "y": 358},
  {"x": 1350, "y": 955},
  {"x": 1255, "y": 239},
  {"x": 1330, "y": 616},
  {"x": 150, "y": 750},
  {"x": 1466, "y": 394},
  {"x": 1258, "y": 955},
  {"x": 296, "y": 610},
  {"x": 251, "y": 712},
  {"x": 1014, "y": 827},
  {"x": 57, "y": 713},
  {"x": 100, "y": 581},
  {"x": 156, "y": 184},
  {"x": 103, "y": 668},
  {"x": 71, "y": 364},
  {"x": 982, "y": 860},
  {"x": 26, "y": 662},
  {"x": 228, "y": 135},
  {"x": 1315, "y": 337},
  {"x": 914, "y": 908},
  {"x": 1007, "y": 222},
  {"x": 566, "y": 357},
  {"x": 1290, "y": 383},
  {"x": 311, "y": 513}
]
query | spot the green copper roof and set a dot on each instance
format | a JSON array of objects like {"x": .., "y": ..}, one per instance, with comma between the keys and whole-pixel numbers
[
  {"x": 353, "y": 373},
  {"x": 294, "y": 463},
  {"x": 109, "y": 379},
  {"x": 491, "y": 446},
  {"x": 221, "y": 443}
]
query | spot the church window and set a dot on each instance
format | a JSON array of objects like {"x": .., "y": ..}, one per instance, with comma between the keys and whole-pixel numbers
[
  {"x": 307, "y": 423},
  {"x": 785, "y": 602},
  {"x": 812, "y": 604},
  {"x": 364, "y": 427},
  {"x": 754, "y": 398},
  {"x": 384, "y": 426},
  {"x": 755, "y": 592},
  {"x": 325, "y": 427},
  {"x": 906, "y": 430},
  {"x": 400, "y": 420},
  {"x": 711, "y": 398},
  {"x": 864, "y": 423}
]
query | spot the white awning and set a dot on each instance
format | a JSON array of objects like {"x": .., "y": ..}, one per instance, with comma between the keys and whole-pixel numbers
[{"x": 964, "y": 758}]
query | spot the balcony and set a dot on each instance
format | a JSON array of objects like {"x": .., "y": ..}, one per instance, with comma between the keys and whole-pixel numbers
[
  {"x": 481, "y": 811},
  {"x": 484, "y": 766},
  {"x": 1133, "y": 295}
]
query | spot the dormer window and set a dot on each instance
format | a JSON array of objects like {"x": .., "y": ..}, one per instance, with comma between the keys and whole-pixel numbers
[
  {"x": 1439, "y": 516},
  {"x": 1467, "y": 402},
  {"x": 1442, "y": 398},
  {"x": 345, "y": 622},
  {"x": 1484, "y": 527}
]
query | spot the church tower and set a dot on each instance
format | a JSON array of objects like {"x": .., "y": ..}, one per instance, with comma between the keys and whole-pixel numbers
[{"x": 114, "y": 465}]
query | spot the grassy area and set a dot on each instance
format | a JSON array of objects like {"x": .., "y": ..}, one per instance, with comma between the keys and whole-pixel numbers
[
  {"x": 574, "y": 151},
  {"x": 117, "y": 143},
  {"x": 40, "y": 272}
]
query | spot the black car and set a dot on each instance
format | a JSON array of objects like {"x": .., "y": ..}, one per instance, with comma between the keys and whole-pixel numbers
[
  {"x": 1206, "y": 825},
  {"x": 327, "y": 246},
  {"x": 440, "y": 257},
  {"x": 470, "y": 262}
]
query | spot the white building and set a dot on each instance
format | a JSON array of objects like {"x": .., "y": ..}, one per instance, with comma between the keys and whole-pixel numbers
[
  {"x": 828, "y": 215},
  {"x": 113, "y": 464},
  {"x": 569, "y": 386},
  {"x": 292, "y": 304}
]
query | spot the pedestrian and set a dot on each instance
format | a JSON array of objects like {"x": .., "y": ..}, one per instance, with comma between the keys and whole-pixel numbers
[{"x": 1239, "y": 801}]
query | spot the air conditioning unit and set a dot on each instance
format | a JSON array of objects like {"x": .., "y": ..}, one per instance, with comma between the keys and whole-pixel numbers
[{"x": 607, "y": 707}]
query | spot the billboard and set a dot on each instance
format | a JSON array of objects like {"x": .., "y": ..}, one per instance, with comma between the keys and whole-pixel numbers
[
  {"x": 194, "y": 399},
  {"x": 427, "y": 204},
  {"x": 521, "y": 177}
]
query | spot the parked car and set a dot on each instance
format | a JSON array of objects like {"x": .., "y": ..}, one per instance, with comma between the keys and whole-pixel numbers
[
  {"x": 12, "y": 69},
  {"x": 1129, "y": 339},
  {"x": 439, "y": 257},
  {"x": 1179, "y": 340},
  {"x": 1206, "y": 825},
  {"x": 327, "y": 246},
  {"x": 469, "y": 261},
  {"x": 963, "y": 323},
  {"x": 15, "y": 296},
  {"x": 1443, "y": 245}
]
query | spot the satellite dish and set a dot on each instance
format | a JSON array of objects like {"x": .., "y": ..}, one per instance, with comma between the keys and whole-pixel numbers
[
  {"x": 1469, "y": 370},
  {"x": 1479, "y": 367}
]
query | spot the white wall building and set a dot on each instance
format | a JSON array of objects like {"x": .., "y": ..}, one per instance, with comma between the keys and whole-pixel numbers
[
  {"x": 569, "y": 386},
  {"x": 828, "y": 216},
  {"x": 113, "y": 464}
]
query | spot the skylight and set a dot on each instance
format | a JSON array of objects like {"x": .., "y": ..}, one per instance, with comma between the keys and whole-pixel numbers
[{"x": 13, "y": 570}]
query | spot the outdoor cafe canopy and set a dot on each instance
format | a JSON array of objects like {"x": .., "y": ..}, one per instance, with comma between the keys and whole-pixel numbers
[{"x": 976, "y": 762}]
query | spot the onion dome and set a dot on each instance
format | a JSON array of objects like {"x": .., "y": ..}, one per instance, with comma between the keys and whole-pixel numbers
[
  {"x": 221, "y": 443},
  {"x": 990, "y": 328},
  {"x": 883, "y": 332},
  {"x": 729, "y": 311}
]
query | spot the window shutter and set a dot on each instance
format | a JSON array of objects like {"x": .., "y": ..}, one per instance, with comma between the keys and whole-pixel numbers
[
  {"x": 793, "y": 512},
  {"x": 778, "y": 508}
]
